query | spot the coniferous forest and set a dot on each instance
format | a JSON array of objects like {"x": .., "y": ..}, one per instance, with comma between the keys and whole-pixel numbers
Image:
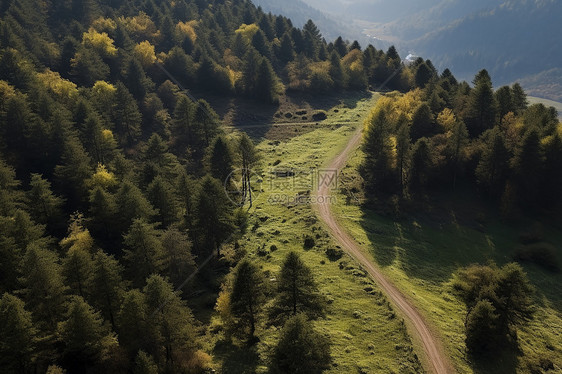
[{"x": 112, "y": 175}]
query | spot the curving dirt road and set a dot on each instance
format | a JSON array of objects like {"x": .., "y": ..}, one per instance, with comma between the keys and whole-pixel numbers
[{"x": 433, "y": 352}]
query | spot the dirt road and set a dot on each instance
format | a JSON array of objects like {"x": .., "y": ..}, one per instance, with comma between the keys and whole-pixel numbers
[{"x": 438, "y": 362}]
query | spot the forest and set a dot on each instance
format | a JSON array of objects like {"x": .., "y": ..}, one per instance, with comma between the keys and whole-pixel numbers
[{"x": 112, "y": 175}]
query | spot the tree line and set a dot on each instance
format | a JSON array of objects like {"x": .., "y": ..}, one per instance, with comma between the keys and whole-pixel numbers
[{"x": 444, "y": 134}]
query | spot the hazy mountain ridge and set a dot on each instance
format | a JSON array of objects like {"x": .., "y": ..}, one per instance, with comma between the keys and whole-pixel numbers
[{"x": 516, "y": 40}]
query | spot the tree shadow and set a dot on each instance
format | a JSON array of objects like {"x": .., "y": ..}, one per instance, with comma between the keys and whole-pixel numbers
[
  {"x": 504, "y": 362},
  {"x": 236, "y": 359}
]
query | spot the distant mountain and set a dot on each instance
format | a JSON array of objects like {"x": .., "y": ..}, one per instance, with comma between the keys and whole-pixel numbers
[
  {"x": 516, "y": 40},
  {"x": 299, "y": 12}
]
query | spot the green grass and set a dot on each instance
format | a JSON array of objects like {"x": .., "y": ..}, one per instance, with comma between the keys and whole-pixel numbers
[
  {"x": 366, "y": 334},
  {"x": 422, "y": 253}
]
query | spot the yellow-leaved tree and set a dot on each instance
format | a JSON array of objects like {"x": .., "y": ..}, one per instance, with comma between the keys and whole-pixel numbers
[
  {"x": 144, "y": 52},
  {"x": 101, "y": 42}
]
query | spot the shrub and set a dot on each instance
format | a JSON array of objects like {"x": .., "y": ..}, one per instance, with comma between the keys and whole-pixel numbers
[
  {"x": 308, "y": 242},
  {"x": 319, "y": 116},
  {"x": 334, "y": 254},
  {"x": 273, "y": 248}
]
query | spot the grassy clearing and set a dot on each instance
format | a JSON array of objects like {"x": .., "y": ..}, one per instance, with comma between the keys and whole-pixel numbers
[
  {"x": 421, "y": 253},
  {"x": 366, "y": 334}
]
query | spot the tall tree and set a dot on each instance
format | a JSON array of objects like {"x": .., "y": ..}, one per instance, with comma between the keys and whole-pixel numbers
[
  {"x": 178, "y": 260},
  {"x": 249, "y": 157},
  {"x": 131, "y": 204},
  {"x": 86, "y": 340},
  {"x": 420, "y": 168},
  {"x": 18, "y": 336},
  {"x": 144, "y": 251},
  {"x": 482, "y": 105},
  {"x": 106, "y": 285},
  {"x": 493, "y": 168},
  {"x": 301, "y": 349},
  {"x": 126, "y": 115},
  {"x": 220, "y": 160},
  {"x": 247, "y": 297},
  {"x": 42, "y": 203},
  {"x": 527, "y": 168},
  {"x": 161, "y": 196},
  {"x": 297, "y": 291},
  {"x": 377, "y": 166}
]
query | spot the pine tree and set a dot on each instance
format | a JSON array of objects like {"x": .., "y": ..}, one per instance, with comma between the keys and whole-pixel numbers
[
  {"x": 126, "y": 115},
  {"x": 267, "y": 85},
  {"x": 377, "y": 168},
  {"x": 297, "y": 291},
  {"x": 301, "y": 349},
  {"x": 403, "y": 145},
  {"x": 43, "y": 287},
  {"x": 482, "y": 106},
  {"x": 136, "y": 80},
  {"x": 183, "y": 122},
  {"x": 18, "y": 336},
  {"x": 552, "y": 178},
  {"x": 250, "y": 72},
  {"x": 519, "y": 98},
  {"x": 420, "y": 168},
  {"x": 144, "y": 364},
  {"x": 287, "y": 50},
  {"x": 87, "y": 341},
  {"x": 423, "y": 123},
  {"x": 144, "y": 253},
  {"x": 178, "y": 260},
  {"x": 337, "y": 73},
  {"x": 9, "y": 194},
  {"x": 247, "y": 298},
  {"x": 161, "y": 196},
  {"x": 340, "y": 47},
  {"x": 527, "y": 167},
  {"x": 44, "y": 206},
  {"x": 207, "y": 121},
  {"x": 220, "y": 160},
  {"x": 132, "y": 323},
  {"x": 493, "y": 167},
  {"x": 106, "y": 285},
  {"x": 170, "y": 318},
  {"x": 77, "y": 268},
  {"x": 456, "y": 143},
  {"x": 73, "y": 170},
  {"x": 214, "y": 213},
  {"x": 131, "y": 204},
  {"x": 103, "y": 208},
  {"x": 505, "y": 102}
]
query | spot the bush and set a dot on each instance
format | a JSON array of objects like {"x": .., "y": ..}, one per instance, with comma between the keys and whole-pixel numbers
[
  {"x": 334, "y": 254},
  {"x": 319, "y": 116},
  {"x": 273, "y": 248},
  {"x": 308, "y": 242},
  {"x": 542, "y": 254}
]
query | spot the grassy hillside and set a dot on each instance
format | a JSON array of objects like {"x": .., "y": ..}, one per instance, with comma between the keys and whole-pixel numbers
[
  {"x": 422, "y": 252},
  {"x": 366, "y": 334}
]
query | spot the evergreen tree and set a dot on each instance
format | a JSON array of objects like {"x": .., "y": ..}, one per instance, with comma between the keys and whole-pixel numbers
[
  {"x": 43, "y": 287},
  {"x": 132, "y": 323},
  {"x": 340, "y": 47},
  {"x": 207, "y": 121},
  {"x": 527, "y": 169},
  {"x": 286, "y": 50},
  {"x": 106, "y": 285},
  {"x": 249, "y": 157},
  {"x": 136, "y": 80},
  {"x": 267, "y": 85},
  {"x": 44, "y": 206},
  {"x": 505, "y": 102},
  {"x": 87, "y": 341},
  {"x": 9, "y": 194},
  {"x": 552, "y": 178},
  {"x": 377, "y": 168},
  {"x": 423, "y": 123},
  {"x": 178, "y": 260},
  {"x": 214, "y": 213},
  {"x": 420, "y": 168},
  {"x": 161, "y": 196},
  {"x": 103, "y": 208},
  {"x": 171, "y": 320},
  {"x": 519, "y": 98},
  {"x": 482, "y": 106},
  {"x": 220, "y": 160},
  {"x": 126, "y": 115},
  {"x": 297, "y": 291},
  {"x": 131, "y": 204},
  {"x": 481, "y": 328},
  {"x": 18, "y": 336},
  {"x": 493, "y": 168},
  {"x": 301, "y": 349},
  {"x": 403, "y": 145},
  {"x": 247, "y": 297},
  {"x": 77, "y": 269},
  {"x": 144, "y": 364},
  {"x": 144, "y": 251},
  {"x": 456, "y": 143},
  {"x": 337, "y": 73}
]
